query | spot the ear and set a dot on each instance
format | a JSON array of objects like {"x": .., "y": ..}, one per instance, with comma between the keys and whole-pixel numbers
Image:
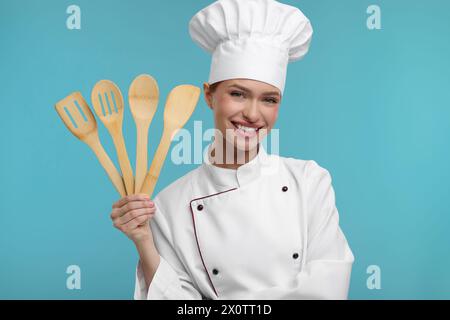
[{"x": 207, "y": 95}]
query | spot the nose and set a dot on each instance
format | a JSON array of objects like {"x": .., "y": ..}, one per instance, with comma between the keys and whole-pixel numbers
[{"x": 251, "y": 111}]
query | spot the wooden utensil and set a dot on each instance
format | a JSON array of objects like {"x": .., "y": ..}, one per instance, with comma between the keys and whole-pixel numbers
[
  {"x": 108, "y": 105},
  {"x": 78, "y": 118},
  {"x": 143, "y": 97},
  {"x": 178, "y": 109}
]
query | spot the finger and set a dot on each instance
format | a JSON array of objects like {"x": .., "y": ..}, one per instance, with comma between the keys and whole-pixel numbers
[
  {"x": 115, "y": 213},
  {"x": 135, "y": 205},
  {"x": 138, "y": 221},
  {"x": 132, "y": 205},
  {"x": 132, "y": 197},
  {"x": 133, "y": 214},
  {"x": 131, "y": 225}
]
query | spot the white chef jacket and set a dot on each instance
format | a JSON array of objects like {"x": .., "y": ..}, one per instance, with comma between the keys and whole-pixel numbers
[{"x": 268, "y": 230}]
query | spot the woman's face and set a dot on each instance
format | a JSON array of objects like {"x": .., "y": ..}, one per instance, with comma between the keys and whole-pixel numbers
[{"x": 245, "y": 111}]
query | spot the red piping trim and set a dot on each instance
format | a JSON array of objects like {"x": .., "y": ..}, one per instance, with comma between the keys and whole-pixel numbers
[{"x": 196, "y": 237}]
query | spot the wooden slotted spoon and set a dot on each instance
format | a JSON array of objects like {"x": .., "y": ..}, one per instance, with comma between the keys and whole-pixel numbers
[
  {"x": 85, "y": 129},
  {"x": 143, "y": 97},
  {"x": 179, "y": 106},
  {"x": 103, "y": 96}
]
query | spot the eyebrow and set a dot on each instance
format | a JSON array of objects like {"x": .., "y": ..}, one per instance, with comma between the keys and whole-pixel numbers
[{"x": 248, "y": 90}]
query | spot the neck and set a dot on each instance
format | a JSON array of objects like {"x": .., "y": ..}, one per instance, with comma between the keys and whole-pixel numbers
[{"x": 232, "y": 157}]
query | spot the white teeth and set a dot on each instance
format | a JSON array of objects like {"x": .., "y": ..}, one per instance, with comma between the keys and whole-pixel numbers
[{"x": 246, "y": 129}]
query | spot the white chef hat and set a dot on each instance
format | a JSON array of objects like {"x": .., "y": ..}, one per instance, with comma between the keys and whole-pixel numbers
[{"x": 253, "y": 39}]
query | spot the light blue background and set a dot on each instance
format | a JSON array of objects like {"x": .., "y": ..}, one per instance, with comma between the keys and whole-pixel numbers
[{"x": 370, "y": 106}]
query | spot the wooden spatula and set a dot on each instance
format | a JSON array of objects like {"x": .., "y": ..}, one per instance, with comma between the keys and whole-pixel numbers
[
  {"x": 143, "y": 97},
  {"x": 78, "y": 118},
  {"x": 180, "y": 104},
  {"x": 108, "y": 105}
]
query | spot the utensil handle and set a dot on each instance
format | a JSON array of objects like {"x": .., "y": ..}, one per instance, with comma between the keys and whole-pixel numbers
[
  {"x": 141, "y": 155},
  {"x": 124, "y": 162},
  {"x": 158, "y": 160},
  {"x": 94, "y": 143}
]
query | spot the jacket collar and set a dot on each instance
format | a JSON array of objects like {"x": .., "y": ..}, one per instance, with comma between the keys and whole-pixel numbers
[{"x": 239, "y": 177}]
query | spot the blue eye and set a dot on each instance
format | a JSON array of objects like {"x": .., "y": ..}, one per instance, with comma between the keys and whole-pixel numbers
[
  {"x": 236, "y": 94},
  {"x": 271, "y": 100}
]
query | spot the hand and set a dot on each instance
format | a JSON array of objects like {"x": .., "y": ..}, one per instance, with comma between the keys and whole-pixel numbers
[{"x": 132, "y": 214}]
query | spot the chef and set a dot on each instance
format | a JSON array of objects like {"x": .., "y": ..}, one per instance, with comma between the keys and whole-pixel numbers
[{"x": 265, "y": 227}]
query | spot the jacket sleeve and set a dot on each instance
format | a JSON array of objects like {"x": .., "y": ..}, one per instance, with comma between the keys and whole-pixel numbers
[
  {"x": 327, "y": 265},
  {"x": 171, "y": 281}
]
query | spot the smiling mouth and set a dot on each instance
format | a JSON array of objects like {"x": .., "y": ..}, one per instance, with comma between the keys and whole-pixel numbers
[
  {"x": 243, "y": 128},
  {"x": 244, "y": 131}
]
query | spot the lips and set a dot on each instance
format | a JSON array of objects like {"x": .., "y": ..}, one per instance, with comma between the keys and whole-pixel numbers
[
  {"x": 240, "y": 125},
  {"x": 245, "y": 131}
]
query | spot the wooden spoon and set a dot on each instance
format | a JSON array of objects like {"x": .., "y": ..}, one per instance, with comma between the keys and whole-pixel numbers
[
  {"x": 84, "y": 127},
  {"x": 143, "y": 97},
  {"x": 180, "y": 104},
  {"x": 105, "y": 95}
]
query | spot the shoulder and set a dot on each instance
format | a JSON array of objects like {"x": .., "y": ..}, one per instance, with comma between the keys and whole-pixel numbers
[
  {"x": 313, "y": 180},
  {"x": 317, "y": 191},
  {"x": 178, "y": 189},
  {"x": 306, "y": 171}
]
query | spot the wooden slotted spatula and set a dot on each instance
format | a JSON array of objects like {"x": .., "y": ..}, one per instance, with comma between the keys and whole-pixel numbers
[
  {"x": 143, "y": 97},
  {"x": 78, "y": 118},
  {"x": 108, "y": 105},
  {"x": 180, "y": 104}
]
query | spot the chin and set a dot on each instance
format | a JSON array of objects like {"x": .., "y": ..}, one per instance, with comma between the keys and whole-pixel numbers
[{"x": 246, "y": 144}]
